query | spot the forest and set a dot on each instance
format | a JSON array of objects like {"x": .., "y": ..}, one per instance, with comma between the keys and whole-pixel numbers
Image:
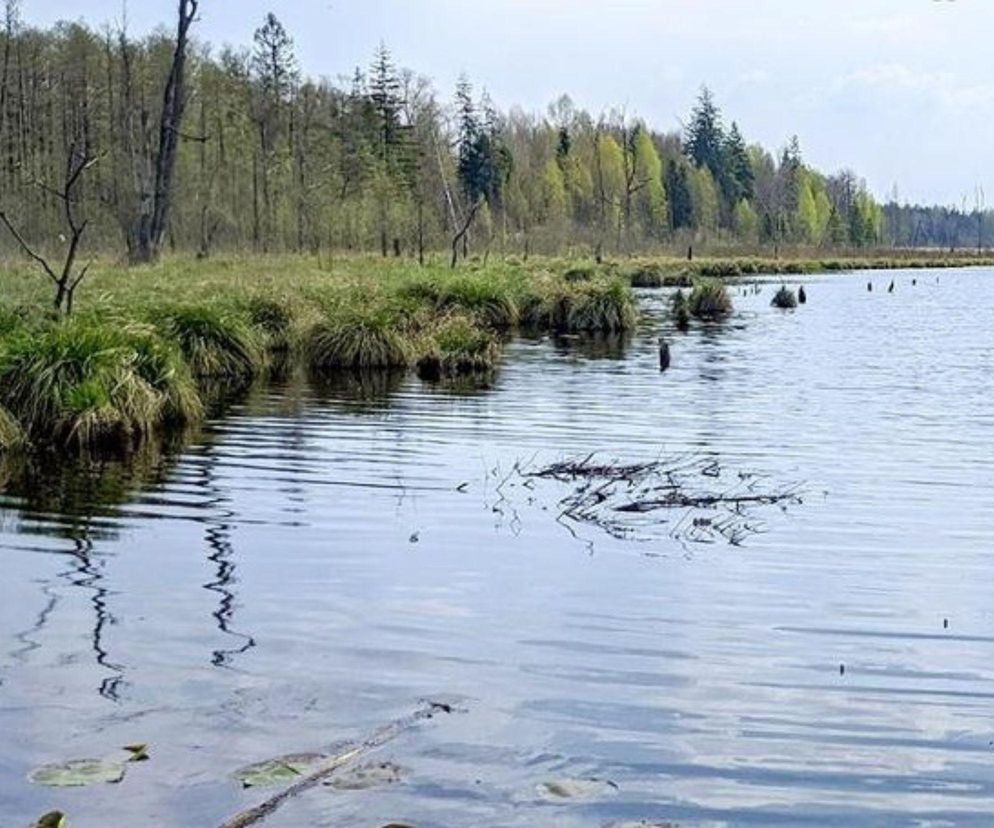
[{"x": 246, "y": 152}]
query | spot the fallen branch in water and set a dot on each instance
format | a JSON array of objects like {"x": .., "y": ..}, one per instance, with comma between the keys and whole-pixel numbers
[
  {"x": 716, "y": 504},
  {"x": 333, "y": 764}
]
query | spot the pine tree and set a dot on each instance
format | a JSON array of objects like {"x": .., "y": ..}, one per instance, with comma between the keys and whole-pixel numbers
[
  {"x": 387, "y": 101},
  {"x": 705, "y": 136},
  {"x": 738, "y": 180}
]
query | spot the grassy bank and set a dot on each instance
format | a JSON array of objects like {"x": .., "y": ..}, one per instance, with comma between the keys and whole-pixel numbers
[
  {"x": 148, "y": 347},
  {"x": 671, "y": 272}
]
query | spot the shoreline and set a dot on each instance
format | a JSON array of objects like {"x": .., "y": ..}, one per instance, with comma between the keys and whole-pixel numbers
[{"x": 149, "y": 348}]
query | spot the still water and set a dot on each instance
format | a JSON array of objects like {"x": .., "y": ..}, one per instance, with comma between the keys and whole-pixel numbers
[{"x": 320, "y": 560}]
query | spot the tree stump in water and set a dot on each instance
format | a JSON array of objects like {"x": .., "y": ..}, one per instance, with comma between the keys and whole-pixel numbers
[{"x": 664, "y": 354}]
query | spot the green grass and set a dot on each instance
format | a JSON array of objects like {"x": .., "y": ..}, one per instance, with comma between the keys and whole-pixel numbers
[
  {"x": 709, "y": 300},
  {"x": 11, "y": 434},
  {"x": 459, "y": 346},
  {"x": 359, "y": 340},
  {"x": 216, "y": 343},
  {"x": 148, "y": 343},
  {"x": 84, "y": 384}
]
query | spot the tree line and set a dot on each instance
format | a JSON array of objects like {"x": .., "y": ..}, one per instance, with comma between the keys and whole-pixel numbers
[{"x": 184, "y": 147}]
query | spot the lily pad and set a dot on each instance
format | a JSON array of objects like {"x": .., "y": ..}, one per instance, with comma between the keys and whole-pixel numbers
[
  {"x": 368, "y": 776},
  {"x": 277, "y": 771},
  {"x": 557, "y": 790},
  {"x": 79, "y": 773},
  {"x": 55, "y": 819}
]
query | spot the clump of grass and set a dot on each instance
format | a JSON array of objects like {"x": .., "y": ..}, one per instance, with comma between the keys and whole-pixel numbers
[
  {"x": 86, "y": 383},
  {"x": 360, "y": 340},
  {"x": 216, "y": 343},
  {"x": 491, "y": 300},
  {"x": 274, "y": 318},
  {"x": 721, "y": 269},
  {"x": 709, "y": 300},
  {"x": 457, "y": 348},
  {"x": 601, "y": 306},
  {"x": 680, "y": 309},
  {"x": 653, "y": 276},
  {"x": 584, "y": 273},
  {"x": 11, "y": 434},
  {"x": 12, "y": 320},
  {"x": 785, "y": 299},
  {"x": 607, "y": 308}
]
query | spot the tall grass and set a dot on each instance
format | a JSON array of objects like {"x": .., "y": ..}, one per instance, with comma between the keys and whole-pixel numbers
[
  {"x": 605, "y": 306},
  {"x": 359, "y": 340},
  {"x": 709, "y": 300},
  {"x": 459, "y": 346},
  {"x": 216, "y": 343},
  {"x": 11, "y": 434},
  {"x": 85, "y": 383},
  {"x": 491, "y": 300}
]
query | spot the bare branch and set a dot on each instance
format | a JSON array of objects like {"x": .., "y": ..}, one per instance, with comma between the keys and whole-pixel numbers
[{"x": 27, "y": 248}]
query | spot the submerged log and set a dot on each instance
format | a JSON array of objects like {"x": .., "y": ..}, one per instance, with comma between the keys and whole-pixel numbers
[{"x": 335, "y": 763}]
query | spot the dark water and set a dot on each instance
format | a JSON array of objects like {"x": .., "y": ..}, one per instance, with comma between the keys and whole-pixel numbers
[{"x": 312, "y": 566}]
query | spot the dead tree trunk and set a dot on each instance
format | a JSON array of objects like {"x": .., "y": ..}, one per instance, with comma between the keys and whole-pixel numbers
[
  {"x": 151, "y": 223},
  {"x": 461, "y": 234}
]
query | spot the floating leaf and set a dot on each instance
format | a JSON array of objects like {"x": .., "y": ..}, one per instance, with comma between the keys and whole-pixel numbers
[
  {"x": 367, "y": 776},
  {"x": 559, "y": 789},
  {"x": 55, "y": 819},
  {"x": 139, "y": 752},
  {"x": 279, "y": 770},
  {"x": 79, "y": 773}
]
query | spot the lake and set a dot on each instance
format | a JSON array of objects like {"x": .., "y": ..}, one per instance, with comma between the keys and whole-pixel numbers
[{"x": 318, "y": 561}]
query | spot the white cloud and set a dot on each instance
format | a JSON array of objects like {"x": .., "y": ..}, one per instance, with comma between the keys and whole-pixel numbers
[{"x": 938, "y": 87}]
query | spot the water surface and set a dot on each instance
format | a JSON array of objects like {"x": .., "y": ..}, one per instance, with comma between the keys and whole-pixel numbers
[{"x": 320, "y": 560}]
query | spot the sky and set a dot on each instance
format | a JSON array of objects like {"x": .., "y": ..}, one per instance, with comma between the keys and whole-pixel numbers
[{"x": 902, "y": 91}]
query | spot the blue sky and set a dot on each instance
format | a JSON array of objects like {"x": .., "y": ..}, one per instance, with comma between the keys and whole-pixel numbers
[{"x": 900, "y": 90}]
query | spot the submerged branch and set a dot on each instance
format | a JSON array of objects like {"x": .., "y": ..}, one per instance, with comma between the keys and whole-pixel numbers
[
  {"x": 333, "y": 764},
  {"x": 621, "y": 499}
]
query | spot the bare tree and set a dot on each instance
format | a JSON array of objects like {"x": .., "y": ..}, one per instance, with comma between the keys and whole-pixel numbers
[{"x": 68, "y": 278}]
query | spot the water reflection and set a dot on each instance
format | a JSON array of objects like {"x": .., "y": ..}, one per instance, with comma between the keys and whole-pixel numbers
[
  {"x": 218, "y": 536},
  {"x": 594, "y": 346},
  {"x": 87, "y": 572}
]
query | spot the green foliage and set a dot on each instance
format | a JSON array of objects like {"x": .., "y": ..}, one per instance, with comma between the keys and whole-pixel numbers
[
  {"x": 216, "y": 343},
  {"x": 604, "y": 305},
  {"x": 274, "y": 318},
  {"x": 358, "y": 340},
  {"x": 709, "y": 300},
  {"x": 705, "y": 137},
  {"x": 457, "y": 347},
  {"x": 85, "y": 383},
  {"x": 11, "y": 434},
  {"x": 491, "y": 300}
]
